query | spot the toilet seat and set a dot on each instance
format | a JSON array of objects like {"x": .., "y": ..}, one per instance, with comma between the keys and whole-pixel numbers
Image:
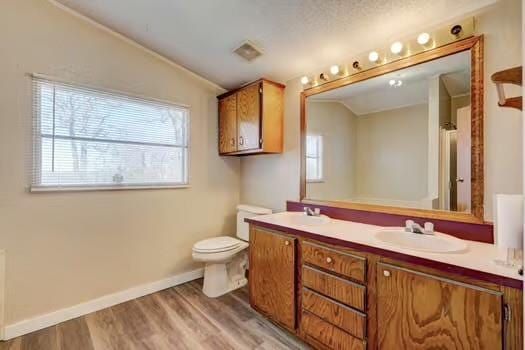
[{"x": 217, "y": 245}]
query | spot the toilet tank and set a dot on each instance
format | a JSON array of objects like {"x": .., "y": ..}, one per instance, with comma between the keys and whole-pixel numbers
[{"x": 247, "y": 211}]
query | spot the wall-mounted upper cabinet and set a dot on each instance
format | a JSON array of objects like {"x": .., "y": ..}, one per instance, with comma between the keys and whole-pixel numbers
[{"x": 251, "y": 119}]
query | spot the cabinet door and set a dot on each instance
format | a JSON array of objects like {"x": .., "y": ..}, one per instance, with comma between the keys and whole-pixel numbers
[
  {"x": 272, "y": 275},
  {"x": 420, "y": 311},
  {"x": 249, "y": 117},
  {"x": 228, "y": 124}
]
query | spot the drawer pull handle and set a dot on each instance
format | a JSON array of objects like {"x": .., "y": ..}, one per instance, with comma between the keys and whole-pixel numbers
[
  {"x": 386, "y": 273},
  {"x": 286, "y": 242},
  {"x": 329, "y": 260}
]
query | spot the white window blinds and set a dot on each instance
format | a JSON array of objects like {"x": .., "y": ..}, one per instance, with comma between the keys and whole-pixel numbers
[{"x": 89, "y": 138}]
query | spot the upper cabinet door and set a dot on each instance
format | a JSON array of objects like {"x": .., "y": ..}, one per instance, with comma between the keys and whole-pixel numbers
[
  {"x": 228, "y": 124},
  {"x": 249, "y": 117},
  {"x": 420, "y": 311}
]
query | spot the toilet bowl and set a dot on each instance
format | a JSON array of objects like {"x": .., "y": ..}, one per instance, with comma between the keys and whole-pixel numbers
[{"x": 226, "y": 257}]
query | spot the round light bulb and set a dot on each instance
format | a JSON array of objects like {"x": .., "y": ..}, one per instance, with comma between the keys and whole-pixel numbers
[
  {"x": 392, "y": 82},
  {"x": 423, "y": 38},
  {"x": 399, "y": 83},
  {"x": 334, "y": 70},
  {"x": 373, "y": 56},
  {"x": 304, "y": 80},
  {"x": 396, "y": 48}
]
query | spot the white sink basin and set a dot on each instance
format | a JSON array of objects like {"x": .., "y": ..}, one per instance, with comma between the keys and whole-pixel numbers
[
  {"x": 305, "y": 220},
  {"x": 437, "y": 243}
]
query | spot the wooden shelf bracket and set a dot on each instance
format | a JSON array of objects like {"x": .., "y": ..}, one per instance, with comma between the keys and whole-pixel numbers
[{"x": 508, "y": 76}]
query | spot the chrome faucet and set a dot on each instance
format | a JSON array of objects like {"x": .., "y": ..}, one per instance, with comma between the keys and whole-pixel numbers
[
  {"x": 411, "y": 226},
  {"x": 309, "y": 212}
]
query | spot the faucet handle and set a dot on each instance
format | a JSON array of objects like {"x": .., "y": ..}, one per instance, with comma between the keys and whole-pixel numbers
[
  {"x": 317, "y": 211},
  {"x": 409, "y": 226},
  {"x": 429, "y": 227}
]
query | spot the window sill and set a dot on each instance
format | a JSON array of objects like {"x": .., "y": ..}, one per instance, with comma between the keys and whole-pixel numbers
[{"x": 38, "y": 189}]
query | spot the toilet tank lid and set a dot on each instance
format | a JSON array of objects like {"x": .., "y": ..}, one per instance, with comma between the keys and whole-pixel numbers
[{"x": 253, "y": 209}]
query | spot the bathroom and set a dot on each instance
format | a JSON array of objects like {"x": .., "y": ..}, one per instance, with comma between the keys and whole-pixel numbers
[{"x": 329, "y": 163}]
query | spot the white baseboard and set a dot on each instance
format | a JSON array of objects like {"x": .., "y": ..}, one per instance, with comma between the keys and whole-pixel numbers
[
  {"x": 2, "y": 292},
  {"x": 55, "y": 317}
]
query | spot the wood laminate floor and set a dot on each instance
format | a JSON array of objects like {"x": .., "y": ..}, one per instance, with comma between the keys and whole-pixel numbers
[{"x": 176, "y": 318}]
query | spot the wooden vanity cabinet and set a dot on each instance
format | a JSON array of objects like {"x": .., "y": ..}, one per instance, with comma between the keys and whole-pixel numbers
[
  {"x": 423, "y": 311},
  {"x": 272, "y": 275},
  {"x": 341, "y": 298},
  {"x": 251, "y": 119}
]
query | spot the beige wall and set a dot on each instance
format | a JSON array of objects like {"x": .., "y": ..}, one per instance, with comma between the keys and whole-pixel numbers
[
  {"x": 67, "y": 248},
  {"x": 444, "y": 104},
  {"x": 503, "y": 136},
  {"x": 392, "y": 154},
  {"x": 336, "y": 123},
  {"x": 456, "y": 103},
  {"x": 271, "y": 180},
  {"x": 438, "y": 116}
]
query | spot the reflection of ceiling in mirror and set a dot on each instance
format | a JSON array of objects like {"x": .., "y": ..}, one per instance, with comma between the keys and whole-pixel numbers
[
  {"x": 374, "y": 95},
  {"x": 457, "y": 83}
]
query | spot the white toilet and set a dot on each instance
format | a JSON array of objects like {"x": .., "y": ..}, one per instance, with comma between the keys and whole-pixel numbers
[{"x": 226, "y": 257}]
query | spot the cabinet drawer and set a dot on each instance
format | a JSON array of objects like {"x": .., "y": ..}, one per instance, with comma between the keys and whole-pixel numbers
[
  {"x": 328, "y": 335},
  {"x": 351, "y": 266},
  {"x": 346, "y": 292},
  {"x": 348, "y": 319}
]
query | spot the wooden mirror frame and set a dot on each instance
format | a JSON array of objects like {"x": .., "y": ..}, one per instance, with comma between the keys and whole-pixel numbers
[{"x": 475, "y": 46}]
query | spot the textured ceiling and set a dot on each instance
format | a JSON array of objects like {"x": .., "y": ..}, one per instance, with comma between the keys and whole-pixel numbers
[
  {"x": 297, "y": 36},
  {"x": 374, "y": 95}
]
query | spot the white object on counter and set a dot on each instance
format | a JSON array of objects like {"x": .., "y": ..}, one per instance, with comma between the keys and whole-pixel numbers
[
  {"x": 508, "y": 223},
  {"x": 508, "y": 220}
]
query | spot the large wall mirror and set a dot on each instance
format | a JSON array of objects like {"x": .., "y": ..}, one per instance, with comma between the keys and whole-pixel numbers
[{"x": 407, "y": 136}]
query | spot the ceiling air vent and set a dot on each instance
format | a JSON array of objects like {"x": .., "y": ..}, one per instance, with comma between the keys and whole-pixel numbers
[{"x": 248, "y": 51}]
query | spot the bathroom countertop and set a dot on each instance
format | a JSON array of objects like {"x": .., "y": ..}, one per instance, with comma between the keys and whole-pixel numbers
[{"x": 476, "y": 261}]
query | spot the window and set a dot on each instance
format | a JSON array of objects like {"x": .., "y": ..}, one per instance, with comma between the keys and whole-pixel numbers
[
  {"x": 87, "y": 138},
  {"x": 314, "y": 158}
]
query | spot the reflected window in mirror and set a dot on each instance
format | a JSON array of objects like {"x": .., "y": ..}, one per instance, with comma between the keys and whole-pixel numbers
[
  {"x": 314, "y": 158},
  {"x": 400, "y": 139}
]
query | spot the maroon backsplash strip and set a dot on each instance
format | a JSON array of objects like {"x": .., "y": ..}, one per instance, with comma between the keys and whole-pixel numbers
[{"x": 473, "y": 232}]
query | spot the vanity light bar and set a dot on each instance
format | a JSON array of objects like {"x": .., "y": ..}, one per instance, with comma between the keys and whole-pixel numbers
[
  {"x": 400, "y": 49},
  {"x": 397, "y": 48},
  {"x": 373, "y": 57},
  {"x": 334, "y": 70},
  {"x": 423, "y": 38}
]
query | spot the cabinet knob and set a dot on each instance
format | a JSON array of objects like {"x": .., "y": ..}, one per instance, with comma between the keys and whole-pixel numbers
[
  {"x": 329, "y": 260},
  {"x": 286, "y": 242},
  {"x": 241, "y": 141},
  {"x": 232, "y": 141},
  {"x": 386, "y": 273}
]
